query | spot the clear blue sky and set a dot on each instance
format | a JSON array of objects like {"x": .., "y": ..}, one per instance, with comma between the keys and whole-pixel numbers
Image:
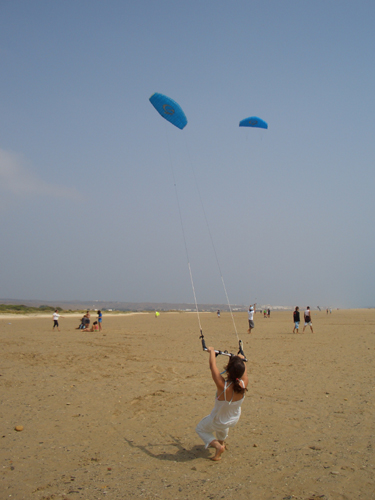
[{"x": 87, "y": 197}]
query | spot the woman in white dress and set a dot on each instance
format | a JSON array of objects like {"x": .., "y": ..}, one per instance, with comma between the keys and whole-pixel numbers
[{"x": 229, "y": 397}]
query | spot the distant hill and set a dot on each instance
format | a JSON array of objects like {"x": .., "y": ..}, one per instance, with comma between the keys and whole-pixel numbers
[
  {"x": 75, "y": 305},
  {"x": 78, "y": 305}
]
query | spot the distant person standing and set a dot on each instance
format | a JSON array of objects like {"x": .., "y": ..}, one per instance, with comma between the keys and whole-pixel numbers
[
  {"x": 55, "y": 317},
  {"x": 250, "y": 315},
  {"x": 268, "y": 312},
  {"x": 296, "y": 319},
  {"x": 100, "y": 318},
  {"x": 218, "y": 313},
  {"x": 307, "y": 317}
]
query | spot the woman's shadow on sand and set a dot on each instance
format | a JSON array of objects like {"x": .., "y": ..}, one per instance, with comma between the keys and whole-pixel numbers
[{"x": 179, "y": 455}]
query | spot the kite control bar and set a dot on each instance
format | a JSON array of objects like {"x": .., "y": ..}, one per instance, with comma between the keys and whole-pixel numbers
[{"x": 224, "y": 353}]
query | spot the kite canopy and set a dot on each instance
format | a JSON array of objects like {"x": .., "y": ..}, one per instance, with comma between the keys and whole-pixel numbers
[
  {"x": 253, "y": 121},
  {"x": 169, "y": 109}
]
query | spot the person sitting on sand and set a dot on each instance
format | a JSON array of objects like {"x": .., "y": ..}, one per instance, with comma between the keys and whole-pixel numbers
[
  {"x": 82, "y": 325},
  {"x": 229, "y": 397},
  {"x": 94, "y": 328}
]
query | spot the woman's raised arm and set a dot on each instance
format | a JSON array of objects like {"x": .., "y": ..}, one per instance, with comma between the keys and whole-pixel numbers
[{"x": 217, "y": 378}]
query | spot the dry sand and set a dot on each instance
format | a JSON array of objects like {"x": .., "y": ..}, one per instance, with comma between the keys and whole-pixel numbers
[{"x": 112, "y": 414}]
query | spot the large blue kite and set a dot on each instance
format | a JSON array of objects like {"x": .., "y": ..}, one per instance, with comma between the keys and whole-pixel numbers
[{"x": 169, "y": 109}]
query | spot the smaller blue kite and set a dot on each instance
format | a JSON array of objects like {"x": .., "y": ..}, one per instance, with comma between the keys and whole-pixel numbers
[
  {"x": 253, "y": 121},
  {"x": 169, "y": 109}
]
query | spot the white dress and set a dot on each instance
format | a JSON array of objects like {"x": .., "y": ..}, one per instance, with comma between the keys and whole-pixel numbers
[{"x": 225, "y": 414}]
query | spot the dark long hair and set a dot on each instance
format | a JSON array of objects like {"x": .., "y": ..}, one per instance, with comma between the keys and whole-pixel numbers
[{"x": 235, "y": 369}]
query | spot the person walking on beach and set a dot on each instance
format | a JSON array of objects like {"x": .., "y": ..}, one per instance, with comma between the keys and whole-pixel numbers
[
  {"x": 100, "y": 318},
  {"x": 55, "y": 317},
  {"x": 296, "y": 319},
  {"x": 250, "y": 315},
  {"x": 307, "y": 317},
  {"x": 229, "y": 398}
]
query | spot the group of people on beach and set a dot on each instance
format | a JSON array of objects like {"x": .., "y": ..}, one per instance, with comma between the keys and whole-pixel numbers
[
  {"x": 296, "y": 318},
  {"x": 85, "y": 322},
  {"x": 306, "y": 317}
]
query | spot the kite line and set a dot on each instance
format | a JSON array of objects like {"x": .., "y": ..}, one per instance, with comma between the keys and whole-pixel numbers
[
  {"x": 173, "y": 113},
  {"x": 240, "y": 344}
]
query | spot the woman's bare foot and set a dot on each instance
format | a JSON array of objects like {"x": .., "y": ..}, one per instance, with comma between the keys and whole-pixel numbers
[
  {"x": 218, "y": 453},
  {"x": 219, "y": 447}
]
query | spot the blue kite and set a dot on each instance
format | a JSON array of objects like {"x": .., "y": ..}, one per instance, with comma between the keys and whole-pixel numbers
[
  {"x": 253, "y": 121},
  {"x": 169, "y": 109}
]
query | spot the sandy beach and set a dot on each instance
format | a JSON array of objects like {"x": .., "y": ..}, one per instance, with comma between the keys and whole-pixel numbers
[{"x": 112, "y": 414}]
